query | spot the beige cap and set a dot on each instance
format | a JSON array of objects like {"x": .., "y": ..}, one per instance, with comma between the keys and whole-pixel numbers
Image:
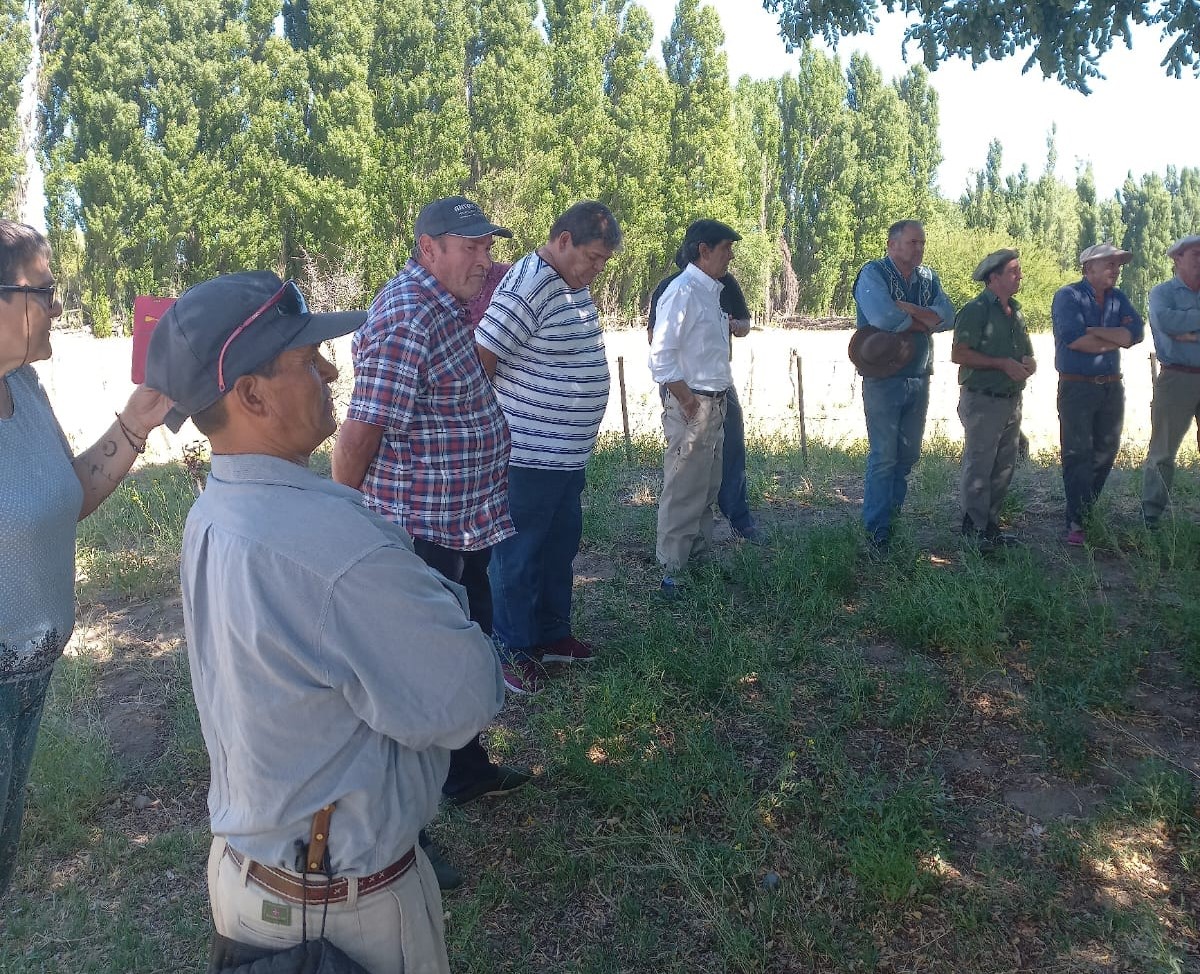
[
  {"x": 1101, "y": 250},
  {"x": 1182, "y": 244}
]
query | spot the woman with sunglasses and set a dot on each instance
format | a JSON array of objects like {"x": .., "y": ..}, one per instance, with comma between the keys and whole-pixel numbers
[{"x": 44, "y": 490}]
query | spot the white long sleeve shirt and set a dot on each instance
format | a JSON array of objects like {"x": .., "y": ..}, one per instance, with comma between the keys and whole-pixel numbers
[{"x": 691, "y": 337}]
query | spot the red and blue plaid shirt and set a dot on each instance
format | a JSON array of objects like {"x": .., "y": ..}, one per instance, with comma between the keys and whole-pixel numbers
[{"x": 442, "y": 466}]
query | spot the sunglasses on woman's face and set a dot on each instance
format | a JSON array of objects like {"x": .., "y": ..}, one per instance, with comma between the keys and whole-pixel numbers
[{"x": 47, "y": 291}]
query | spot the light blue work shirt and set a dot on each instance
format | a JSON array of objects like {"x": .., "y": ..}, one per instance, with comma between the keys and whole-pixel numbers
[
  {"x": 329, "y": 664},
  {"x": 876, "y": 299},
  {"x": 1175, "y": 311}
]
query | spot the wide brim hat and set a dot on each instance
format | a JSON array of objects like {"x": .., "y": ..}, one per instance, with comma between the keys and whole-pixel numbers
[{"x": 879, "y": 354}]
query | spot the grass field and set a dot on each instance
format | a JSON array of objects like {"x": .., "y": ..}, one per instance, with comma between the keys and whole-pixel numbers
[{"x": 816, "y": 761}]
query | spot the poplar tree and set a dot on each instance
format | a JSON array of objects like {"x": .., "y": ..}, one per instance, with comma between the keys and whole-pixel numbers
[
  {"x": 635, "y": 161},
  {"x": 579, "y": 34},
  {"x": 817, "y": 159},
  {"x": 924, "y": 149},
  {"x": 880, "y": 185},
  {"x": 758, "y": 134},
  {"x": 417, "y": 69},
  {"x": 508, "y": 83},
  {"x": 1146, "y": 211},
  {"x": 14, "y": 61},
  {"x": 702, "y": 168}
]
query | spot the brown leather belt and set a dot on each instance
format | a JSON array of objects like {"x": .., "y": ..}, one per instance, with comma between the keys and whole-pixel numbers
[
  {"x": 1179, "y": 368},
  {"x": 1098, "y": 380},
  {"x": 287, "y": 885}
]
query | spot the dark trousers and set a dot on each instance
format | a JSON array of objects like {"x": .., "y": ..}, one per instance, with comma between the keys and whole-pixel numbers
[
  {"x": 1090, "y": 417},
  {"x": 732, "y": 499},
  {"x": 470, "y": 570},
  {"x": 532, "y": 570},
  {"x": 21, "y": 702}
]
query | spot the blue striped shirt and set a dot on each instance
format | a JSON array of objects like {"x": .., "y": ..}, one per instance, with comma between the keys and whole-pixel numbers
[{"x": 552, "y": 374}]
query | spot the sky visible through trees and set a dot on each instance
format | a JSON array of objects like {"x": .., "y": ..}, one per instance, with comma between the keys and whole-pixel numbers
[{"x": 182, "y": 140}]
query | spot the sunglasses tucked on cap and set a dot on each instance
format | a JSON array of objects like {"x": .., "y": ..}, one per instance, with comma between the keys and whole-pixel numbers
[{"x": 222, "y": 329}]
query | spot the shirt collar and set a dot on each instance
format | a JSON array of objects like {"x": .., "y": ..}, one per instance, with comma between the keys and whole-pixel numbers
[
  {"x": 701, "y": 279},
  {"x": 990, "y": 296},
  {"x": 432, "y": 284},
  {"x": 258, "y": 468}
]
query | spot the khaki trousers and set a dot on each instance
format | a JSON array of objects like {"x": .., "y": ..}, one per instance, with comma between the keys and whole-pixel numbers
[
  {"x": 394, "y": 930},
  {"x": 691, "y": 481},
  {"x": 991, "y": 430},
  {"x": 1176, "y": 404}
]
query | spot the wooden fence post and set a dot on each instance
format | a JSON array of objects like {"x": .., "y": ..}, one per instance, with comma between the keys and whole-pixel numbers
[
  {"x": 624, "y": 408},
  {"x": 800, "y": 409}
]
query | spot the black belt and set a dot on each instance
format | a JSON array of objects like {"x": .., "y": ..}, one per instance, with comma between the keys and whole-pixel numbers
[
  {"x": 1098, "y": 380},
  {"x": 993, "y": 395},
  {"x": 709, "y": 394},
  {"x": 1179, "y": 368}
]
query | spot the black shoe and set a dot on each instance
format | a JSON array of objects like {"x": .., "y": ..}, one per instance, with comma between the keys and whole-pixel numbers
[
  {"x": 448, "y": 877},
  {"x": 973, "y": 536},
  {"x": 502, "y": 780},
  {"x": 670, "y": 588},
  {"x": 1001, "y": 539}
]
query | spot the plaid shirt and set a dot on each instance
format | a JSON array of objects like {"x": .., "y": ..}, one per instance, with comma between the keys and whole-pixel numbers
[{"x": 442, "y": 466}]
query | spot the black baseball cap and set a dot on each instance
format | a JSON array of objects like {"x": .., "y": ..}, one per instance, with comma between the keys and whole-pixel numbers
[
  {"x": 710, "y": 232},
  {"x": 250, "y": 317},
  {"x": 458, "y": 216}
]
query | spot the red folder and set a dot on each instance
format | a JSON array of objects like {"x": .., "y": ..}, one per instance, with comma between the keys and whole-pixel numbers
[{"x": 146, "y": 312}]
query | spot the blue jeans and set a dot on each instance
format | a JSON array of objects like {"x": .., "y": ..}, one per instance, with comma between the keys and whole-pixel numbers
[
  {"x": 531, "y": 571},
  {"x": 1090, "y": 417},
  {"x": 732, "y": 499},
  {"x": 21, "y": 702},
  {"x": 895, "y": 409}
]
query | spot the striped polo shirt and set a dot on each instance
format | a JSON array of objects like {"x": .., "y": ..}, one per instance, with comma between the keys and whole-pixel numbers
[{"x": 552, "y": 376}]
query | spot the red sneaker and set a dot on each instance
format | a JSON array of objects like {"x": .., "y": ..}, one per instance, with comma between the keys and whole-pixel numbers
[
  {"x": 523, "y": 676},
  {"x": 569, "y": 650}
]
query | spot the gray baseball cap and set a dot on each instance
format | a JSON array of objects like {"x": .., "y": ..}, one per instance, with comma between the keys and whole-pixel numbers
[
  {"x": 222, "y": 329},
  {"x": 458, "y": 216}
]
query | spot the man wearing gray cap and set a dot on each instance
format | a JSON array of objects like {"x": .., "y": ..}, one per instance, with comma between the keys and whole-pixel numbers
[
  {"x": 689, "y": 355},
  {"x": 425, "y": 439},
  {"x": 1175, "y": 325},
  {"x": 995, "y": 358},
  {"x": 1093, "y": 321},
  {"x": 332, "y": 669},
  {"x": 900, "y": 295}
]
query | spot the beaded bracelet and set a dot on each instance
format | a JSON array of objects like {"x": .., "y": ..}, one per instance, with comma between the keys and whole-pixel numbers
[{"x": 129, "y": 436}]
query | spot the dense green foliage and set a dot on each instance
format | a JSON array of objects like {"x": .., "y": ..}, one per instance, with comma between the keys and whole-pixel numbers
[
  {"x": 185, "y": 140},
  {"x": 14, "y": 60},
  {"x": 1067, "y": 40}
]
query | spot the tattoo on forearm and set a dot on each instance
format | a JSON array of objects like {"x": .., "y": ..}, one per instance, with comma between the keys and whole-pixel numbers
[{"x": 109, "y": 448}]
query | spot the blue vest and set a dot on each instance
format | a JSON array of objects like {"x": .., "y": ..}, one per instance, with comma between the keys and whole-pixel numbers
[{"x": 923, "y": 291}]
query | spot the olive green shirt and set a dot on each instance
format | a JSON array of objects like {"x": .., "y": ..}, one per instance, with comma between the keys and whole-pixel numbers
[{"x": 983, "y": 326}]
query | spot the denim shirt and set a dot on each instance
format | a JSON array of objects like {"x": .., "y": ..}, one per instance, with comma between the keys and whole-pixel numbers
[
  {"x": 877, "y": 307},
  {"x": 1075, "y": 310},
  {"x": 1175, "y": 311}
]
